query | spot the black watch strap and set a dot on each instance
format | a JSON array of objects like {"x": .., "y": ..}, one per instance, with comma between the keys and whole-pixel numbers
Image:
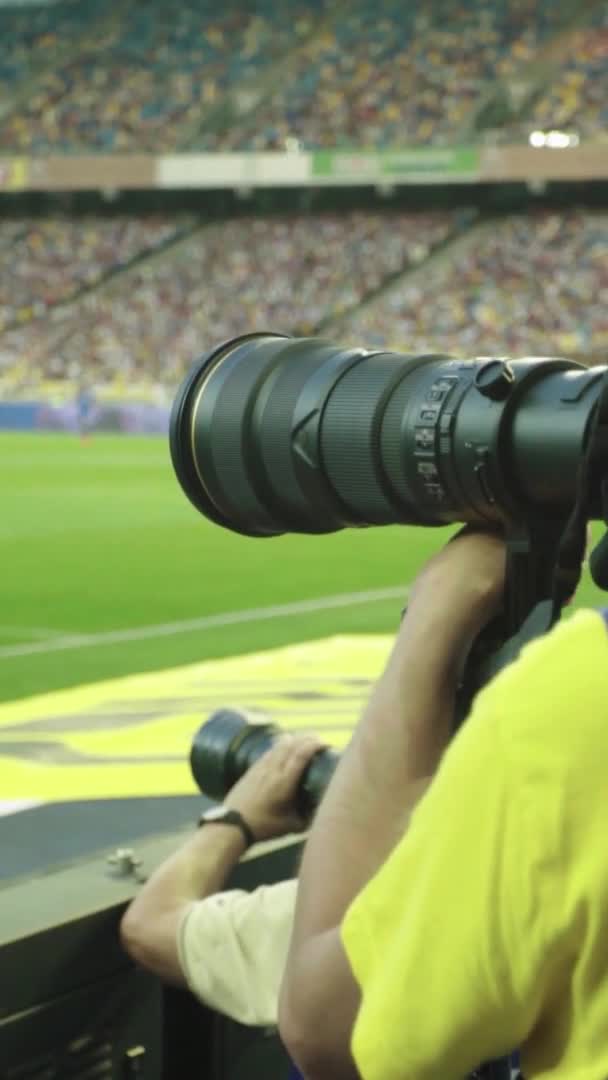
[{"x": 220, "y": 816}]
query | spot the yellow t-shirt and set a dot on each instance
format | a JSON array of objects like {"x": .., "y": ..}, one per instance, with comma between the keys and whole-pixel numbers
[{"x": 487, "y": 927}]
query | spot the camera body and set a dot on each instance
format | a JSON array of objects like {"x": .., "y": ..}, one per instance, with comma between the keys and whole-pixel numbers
[
  {"x": 271, "y": 434},
  {"x": 229, "y": 743}
]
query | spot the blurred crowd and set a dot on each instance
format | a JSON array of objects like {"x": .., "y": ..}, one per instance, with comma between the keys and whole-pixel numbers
[
  {"x": 285, "y": 274},
  {"x": 31, "y": 36},
  {"x": 152, "y": 73},
  {"x": 48, "y": 262},
  {"x": 533, "y": 284},
  {"x": 577, "y": 99},
  {"x": 300, "y": 74},
  {"x": 524, "y": 284},
  {"x": 393, "y": 74}
]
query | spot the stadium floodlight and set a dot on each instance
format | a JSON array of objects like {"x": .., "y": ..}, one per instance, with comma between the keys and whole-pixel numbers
[{"x": 557, "y": 140}]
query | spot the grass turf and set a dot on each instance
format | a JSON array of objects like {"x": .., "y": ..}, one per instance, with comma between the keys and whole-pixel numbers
[{"x": 99, "y": 536}]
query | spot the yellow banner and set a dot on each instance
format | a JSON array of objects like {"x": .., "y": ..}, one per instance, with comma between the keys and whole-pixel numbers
[
  {"x": 13, "y": 174},
  {"x": 132, "y": 736}
]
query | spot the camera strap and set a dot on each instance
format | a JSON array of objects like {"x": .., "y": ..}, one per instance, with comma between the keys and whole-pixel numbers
[{"x": 571, "y": 547}]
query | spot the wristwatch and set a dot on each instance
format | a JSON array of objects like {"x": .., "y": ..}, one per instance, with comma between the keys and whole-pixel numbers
[{"x": 224, "y": 815}]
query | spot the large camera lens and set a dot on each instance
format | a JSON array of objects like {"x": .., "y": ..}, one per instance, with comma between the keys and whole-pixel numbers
[
  {"x": 229, "y": 743},
  {"x": 271, "y": 435}
]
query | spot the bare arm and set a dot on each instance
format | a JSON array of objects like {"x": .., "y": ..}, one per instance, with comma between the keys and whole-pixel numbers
[
  {"x": 394, "y": 752},
  {"x": 198, "y": 869},
  {"x": 264, "y": 796}
]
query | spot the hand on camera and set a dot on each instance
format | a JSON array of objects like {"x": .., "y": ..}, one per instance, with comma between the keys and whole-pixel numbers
[
  {"x": 463, "y": 583},
  {"x": 265, "y": 795}
]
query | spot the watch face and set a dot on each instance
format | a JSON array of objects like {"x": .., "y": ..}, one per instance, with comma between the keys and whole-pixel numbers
[{"x": 215, "y": 813}]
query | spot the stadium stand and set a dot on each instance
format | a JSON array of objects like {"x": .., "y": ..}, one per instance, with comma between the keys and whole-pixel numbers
[
  {"x": 153, "y": 77},
  {"x": 157, "y": 69},
  {"x": 287, "y": 274},
  {"x": 31, "y": 37},
  {"x": 534, "y": 284},
  {"x": 48, "y": 262},
  {"x": 147, "y": 76},
  {"x": 386, "y": 75},
  {"x": 576, "y": 100},
  {"x": 414, "y": 282}
]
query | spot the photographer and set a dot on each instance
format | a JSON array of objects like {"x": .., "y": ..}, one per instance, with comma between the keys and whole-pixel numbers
[
  {"x": 228, "y": 947},
  {"x": 421, "y": 949}
]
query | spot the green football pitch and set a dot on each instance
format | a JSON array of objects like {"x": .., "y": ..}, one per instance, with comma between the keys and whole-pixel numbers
[{"x": 107, "y": 570}]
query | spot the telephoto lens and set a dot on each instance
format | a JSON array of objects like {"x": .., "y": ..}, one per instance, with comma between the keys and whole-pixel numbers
[
  {"x": 229, "y": 743},
  {"x": 270, "y": 435}
]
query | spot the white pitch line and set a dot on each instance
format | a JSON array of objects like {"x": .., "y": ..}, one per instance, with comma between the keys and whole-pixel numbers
[{"x": 206, "y": 622}]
